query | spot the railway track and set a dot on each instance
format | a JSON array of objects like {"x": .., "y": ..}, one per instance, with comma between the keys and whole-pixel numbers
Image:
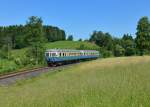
[
  {"x": 4, "y": 76},
  {"x": 11, "y": 78}
]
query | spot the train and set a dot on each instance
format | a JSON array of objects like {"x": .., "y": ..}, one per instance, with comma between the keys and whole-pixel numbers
[{"x": 56, "y": 57}]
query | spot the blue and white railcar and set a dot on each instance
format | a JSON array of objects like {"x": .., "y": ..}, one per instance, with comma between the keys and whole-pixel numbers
[{"x": 57, "y": 56}]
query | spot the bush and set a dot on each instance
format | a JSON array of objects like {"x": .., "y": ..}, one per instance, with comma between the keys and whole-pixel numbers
[
  {"x": 8, "y": 66},
  {"x": 119, "y": 51},
  {"x": 23, "y": 61},
  {"x": 18, "y": 61},
  {"x": 146, "y": 52},
  {"x": 107, "y": 54},
  {"x": 130, "y": 51}
]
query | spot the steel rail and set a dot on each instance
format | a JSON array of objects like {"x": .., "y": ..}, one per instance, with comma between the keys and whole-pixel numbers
[{"x": 4, "y": 76}]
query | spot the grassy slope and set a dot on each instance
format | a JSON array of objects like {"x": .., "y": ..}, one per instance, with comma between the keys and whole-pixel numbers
[
  {"x": 7, "y": 65},
  {"x": 112, "y": 82},
  {"x": 71, "y": 45}
]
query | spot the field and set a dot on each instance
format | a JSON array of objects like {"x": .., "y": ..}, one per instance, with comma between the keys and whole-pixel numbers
[
  {"x": 10, "y": 65},
  {"x": 112, "y": 82}
]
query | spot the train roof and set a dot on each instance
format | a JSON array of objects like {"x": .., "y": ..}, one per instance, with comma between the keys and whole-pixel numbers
[
  {"x": 69, "y": 50},
  {"x": 61, "y": 50}
]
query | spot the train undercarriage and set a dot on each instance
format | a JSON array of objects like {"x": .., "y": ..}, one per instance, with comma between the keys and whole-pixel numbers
[{"x": 54, "y": 64}]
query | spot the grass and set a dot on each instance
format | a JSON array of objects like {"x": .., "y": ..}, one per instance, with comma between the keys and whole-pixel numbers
[
  {"x": 71, "y": 45},
  {"x": 7, "y": 66},
  {"x": 10, "y": 65},
  {"x": 112, "y": 82}
]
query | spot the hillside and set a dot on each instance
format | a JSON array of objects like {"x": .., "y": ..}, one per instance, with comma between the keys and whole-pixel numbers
[
  {"x": 10, "y": 65},
  {"x": 71, "y": 45},
  {"x": 112, "y": 82}
]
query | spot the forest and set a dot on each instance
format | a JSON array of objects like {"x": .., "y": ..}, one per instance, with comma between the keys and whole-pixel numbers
[{"x": 16, "y": 35}]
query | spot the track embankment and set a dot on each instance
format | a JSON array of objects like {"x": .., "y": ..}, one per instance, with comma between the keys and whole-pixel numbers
[{"x": 11, "y": 78}]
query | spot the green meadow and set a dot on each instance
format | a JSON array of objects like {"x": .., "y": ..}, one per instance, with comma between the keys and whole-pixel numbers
[{"x": 111, "y": 82}]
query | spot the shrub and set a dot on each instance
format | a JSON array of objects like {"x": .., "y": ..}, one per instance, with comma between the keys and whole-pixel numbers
[
  {"x": 105, "y": 53},
  {"x": 129, "y": 51},
  {"x": 119, "y": 51}
]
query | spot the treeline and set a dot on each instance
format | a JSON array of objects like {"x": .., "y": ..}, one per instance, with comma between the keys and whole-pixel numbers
[
  {"x": 110, "y": 46},
  {"x": 127, "y": 45},
  {"x": 16, "y": 35}
]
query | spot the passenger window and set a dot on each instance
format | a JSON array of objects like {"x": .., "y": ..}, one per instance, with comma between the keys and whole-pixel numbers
[{"x": 53, "y": 54}]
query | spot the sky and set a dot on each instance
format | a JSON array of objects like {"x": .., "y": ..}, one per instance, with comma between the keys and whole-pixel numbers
[{"x": 78, "y": 17}]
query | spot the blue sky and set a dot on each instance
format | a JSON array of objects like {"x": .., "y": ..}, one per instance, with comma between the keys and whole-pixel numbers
[{"x": 78, "y": 17}]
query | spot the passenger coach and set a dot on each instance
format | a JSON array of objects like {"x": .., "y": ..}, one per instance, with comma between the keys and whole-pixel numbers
[{"x": 62, "y": 56}]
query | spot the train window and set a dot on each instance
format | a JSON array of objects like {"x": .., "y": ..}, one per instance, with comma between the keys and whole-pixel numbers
[
  {"x": 63, "y": 54},
  {"x": 53, "y": 54},
  {"x": 59, "y": 54},
  {"x": 47, "y": 54},
  {"x": 67, "y": 54}
]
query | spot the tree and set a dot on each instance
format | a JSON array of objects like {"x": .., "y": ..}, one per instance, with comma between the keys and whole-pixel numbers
[
  {"x": 103, "y": 40},
  {"x": 119, "y": 51},
  {"x": 127, "y": 37},
  {"x": 143, "y": 35},
  {"x": 35, "y": 38},
  {"x": 86, "y": 40},
  {"x": 80, "y": 39},
  {"x": 129, "y": 51},
  {"x": 117, "y": 41},
  {"x": 53, "y": 33},
  {"x": 70, "y": 38},
  {"x": 5, "y": 51},
  {"x": 128, "y": 44}
]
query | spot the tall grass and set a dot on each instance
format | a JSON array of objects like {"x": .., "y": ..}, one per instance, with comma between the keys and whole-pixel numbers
[{"x": 113, "y": 82}]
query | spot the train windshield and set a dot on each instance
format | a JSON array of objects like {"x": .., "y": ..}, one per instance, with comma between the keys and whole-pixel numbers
[{"x": 47, "y": 54}]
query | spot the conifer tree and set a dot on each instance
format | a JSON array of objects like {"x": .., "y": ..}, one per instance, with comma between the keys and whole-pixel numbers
[{"x": 143, "y": 35}]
